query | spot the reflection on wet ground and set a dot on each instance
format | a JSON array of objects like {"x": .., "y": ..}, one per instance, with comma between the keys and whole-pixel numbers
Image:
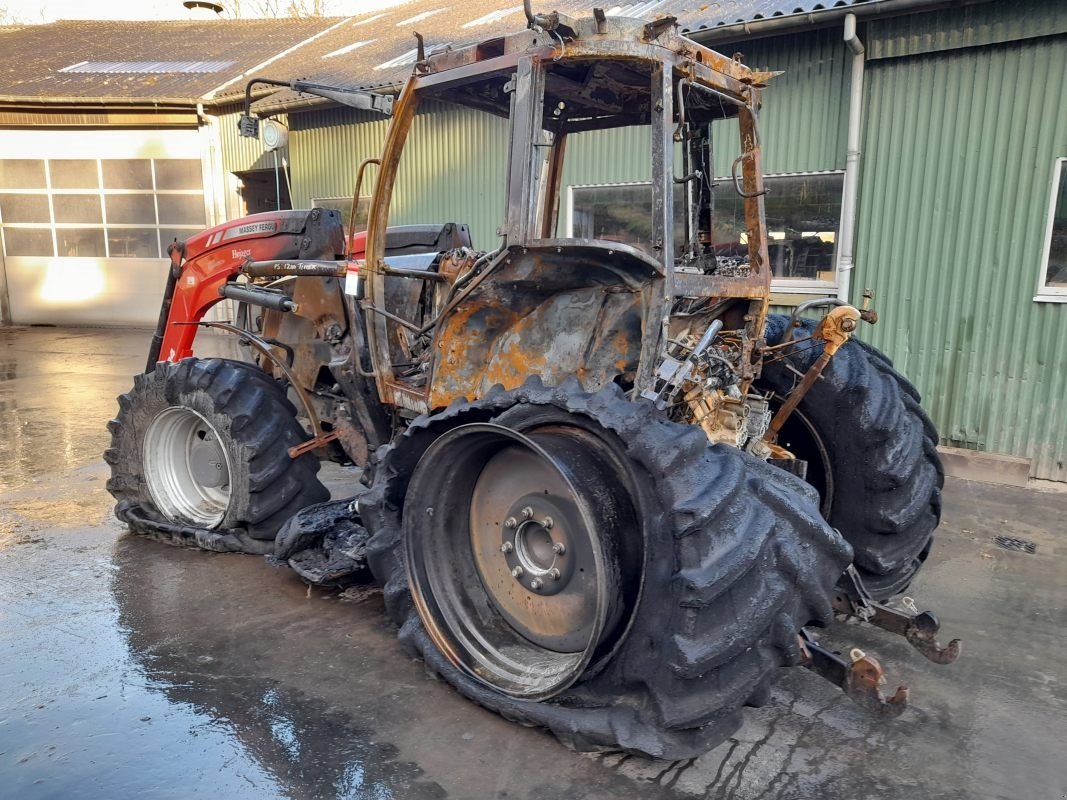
[
  {"x": 129, "y": 668},
  {"x": 56, "y": 385}
]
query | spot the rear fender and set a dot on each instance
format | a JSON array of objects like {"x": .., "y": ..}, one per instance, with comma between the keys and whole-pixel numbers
[{"x": 552, "y": 309}]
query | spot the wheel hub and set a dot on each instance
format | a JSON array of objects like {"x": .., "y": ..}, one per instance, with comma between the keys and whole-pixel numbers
[
  {"x": 535, "y": 549},
  {"x": 186, "y": 467},
  {"x": 207, "y": 462}
]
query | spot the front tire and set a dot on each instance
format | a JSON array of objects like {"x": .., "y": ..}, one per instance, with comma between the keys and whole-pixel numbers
[{"x": 199, "y": 456}]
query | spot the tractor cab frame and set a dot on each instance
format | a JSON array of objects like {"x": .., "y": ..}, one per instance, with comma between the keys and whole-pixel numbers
[{"x": 595, "y": 308}]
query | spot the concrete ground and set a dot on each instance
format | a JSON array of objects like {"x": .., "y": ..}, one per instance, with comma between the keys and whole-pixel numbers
[{"x": 132, "y": 669}]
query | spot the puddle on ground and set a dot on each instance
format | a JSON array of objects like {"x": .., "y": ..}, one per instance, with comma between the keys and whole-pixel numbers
[{"x": 125, "y": 692}]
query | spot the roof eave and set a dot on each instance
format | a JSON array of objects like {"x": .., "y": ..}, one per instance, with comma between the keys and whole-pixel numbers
[
  {"x": 790, "y": 23},
  {"x": 83, "y": 102}
]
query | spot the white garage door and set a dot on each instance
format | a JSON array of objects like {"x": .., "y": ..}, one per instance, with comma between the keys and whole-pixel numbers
[{"x": 86, "y": 217}]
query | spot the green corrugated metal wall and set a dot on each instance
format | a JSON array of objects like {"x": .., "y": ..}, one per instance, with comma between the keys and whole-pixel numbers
[
  {"x": 969, "y": 26},
  {"x": 240, "y": 154},
  {"x": 453, "y": 169},
  {"x": 804, "y": 122},
  {"x": 958, "y": 154}
]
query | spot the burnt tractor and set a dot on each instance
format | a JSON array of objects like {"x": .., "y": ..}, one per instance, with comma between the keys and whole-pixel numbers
[{"x": 605, "y": 491}]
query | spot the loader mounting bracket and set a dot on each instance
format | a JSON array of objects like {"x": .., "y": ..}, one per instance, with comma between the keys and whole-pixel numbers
[{"x": 919, "y": 629}]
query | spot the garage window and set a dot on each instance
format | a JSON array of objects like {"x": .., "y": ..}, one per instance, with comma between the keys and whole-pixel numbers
[
  {"x": 803, "y": 217},
  {"x": 99, "y": 208},
  {"x": 1052, "y": 282}
]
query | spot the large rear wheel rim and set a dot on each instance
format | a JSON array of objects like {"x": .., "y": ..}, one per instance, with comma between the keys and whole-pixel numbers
[
  {"x": 510, "y": 552},
  {"x": 186, "y": 467}
]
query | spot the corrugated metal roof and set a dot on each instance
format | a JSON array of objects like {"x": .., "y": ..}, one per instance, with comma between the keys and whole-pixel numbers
[
  {"x": 387, "y": 61},
  {"x": 147, "y": 67},
  {"x": 369, "y": 50},
  {"x": 124, "y": 61},
  {"x": 730, "y": 12}
]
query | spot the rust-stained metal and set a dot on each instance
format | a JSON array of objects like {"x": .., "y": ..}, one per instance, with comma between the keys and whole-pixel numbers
[
  {"x": 634, "y": 70},
  {"x": 374, "y": 267},
  {"x": 548, "y": 311},
  {"x": 860, "y": 677},
  {"x": 312, "y": 444},
  {"x": 356, "y": 192},
  {"x": 553, "y": 184},
  {"x": 919, "y": 629}
]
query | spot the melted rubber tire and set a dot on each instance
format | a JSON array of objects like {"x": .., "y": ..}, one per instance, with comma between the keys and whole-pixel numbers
[
  {"x": 256, "y": 424},
  {"x": 882, "y": 448},
  {"x": 737, "y": 560}
]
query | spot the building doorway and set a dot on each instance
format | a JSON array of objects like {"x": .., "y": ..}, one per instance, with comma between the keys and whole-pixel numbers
[{"x": 264, "y": 190}]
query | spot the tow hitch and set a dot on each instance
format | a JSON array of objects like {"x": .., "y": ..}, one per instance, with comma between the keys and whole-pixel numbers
[
  {"x": 860, "y": 676},
  {"x": 920, "y": 629}
]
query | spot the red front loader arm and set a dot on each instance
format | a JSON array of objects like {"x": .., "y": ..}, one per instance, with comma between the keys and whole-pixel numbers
[{"x": 203, "y": 264}]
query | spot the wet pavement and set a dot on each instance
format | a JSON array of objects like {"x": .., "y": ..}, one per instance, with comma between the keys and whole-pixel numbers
[{"x": 132, "y": 669}]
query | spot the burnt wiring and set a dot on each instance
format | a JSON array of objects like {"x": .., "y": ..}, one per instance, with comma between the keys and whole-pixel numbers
[{"x": 797, "y": 351}]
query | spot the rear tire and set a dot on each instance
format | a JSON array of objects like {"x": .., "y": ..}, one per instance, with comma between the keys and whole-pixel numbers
[
  {"x": 871, "y": 453},
  {"x": 199, "y": 456},
  {"x": 733, "y": 559}
]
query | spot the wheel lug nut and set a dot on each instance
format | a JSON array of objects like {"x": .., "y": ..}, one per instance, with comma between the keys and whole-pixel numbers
[
  {"x": 559, "y": 548},
  {"x": 527, "y": 512},
  {"x": 507, "y": 547},
  {"x": 517, "y": 572},
  {"x": 536, "y": 584},
  {"x": 510, "y": 522},
  {"x": 554, "y": 574},
  {"x": 547, "y": 523}
]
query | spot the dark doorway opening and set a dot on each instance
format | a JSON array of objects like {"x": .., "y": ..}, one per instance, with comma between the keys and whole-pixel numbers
[{"x": 262, "y": 191}]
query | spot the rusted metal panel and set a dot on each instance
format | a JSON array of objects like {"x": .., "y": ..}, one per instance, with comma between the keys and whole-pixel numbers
[
  {"x": 958, "y": 156},
  {"x": 696, "y": 285},
  {"x": 545, "y": 313}
]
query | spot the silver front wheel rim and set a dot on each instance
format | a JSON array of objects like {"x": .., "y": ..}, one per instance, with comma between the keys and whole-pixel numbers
[{"x": 187, "y": 468}]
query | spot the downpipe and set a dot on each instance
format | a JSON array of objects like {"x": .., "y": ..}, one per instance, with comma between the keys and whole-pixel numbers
[{"x": 850, "y": 191}]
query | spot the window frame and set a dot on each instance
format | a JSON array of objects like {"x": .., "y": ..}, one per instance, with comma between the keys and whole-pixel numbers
[
  {"x": 1046, "y": 293},
  {"x": 783, "y": 285}
]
